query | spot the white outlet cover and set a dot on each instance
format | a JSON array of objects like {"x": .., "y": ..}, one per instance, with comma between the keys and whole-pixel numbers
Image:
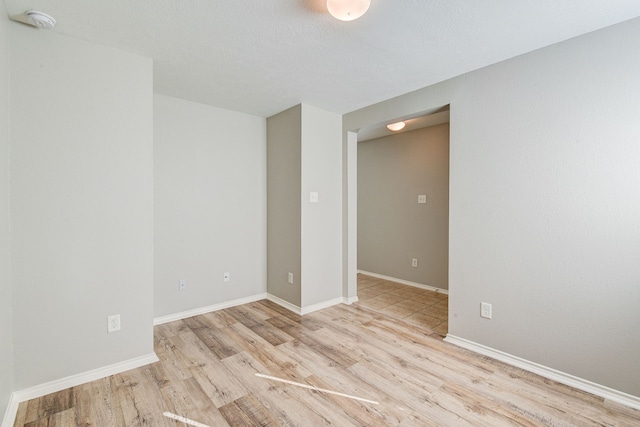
[
  {"x": 113, "y": 323},
  {"x": 313, "y": 197},
  {"x": 485, "y": 310},
  {"x": 422, "y": 198},
  {"x": 227, "y": 276}
]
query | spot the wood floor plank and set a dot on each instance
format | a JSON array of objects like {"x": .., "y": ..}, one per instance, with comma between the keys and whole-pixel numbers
[
  {"x": 210, "y": 416},
  {"x": 49, "y": 405},
  {"x": 254, "y": 319},
  {"x": 21, "y": 415},
  {"x": 245, "y": 315},
  {"x": 219, "y": 319},
  {"x": 343, "y": 380},
  {"x": 184, "y": 398},
  {"x": 285, "y": 408},
  {"x": 252, "y": 412},
  {"x": 329, "y": 350},
  {"x": 171, "y": 367},
  {"x": 213, "y": 378},
  {"x": 64, "y": 418},
  {"x": 142, "y": 404},
  {"x": 217, "y": 341},
  {"x": 197, "y": 322},
  {"x": 271, "y": 334},
  {"x": 305, "y": 322},
  {"x": 361, "y": 413},
  {"x": 292, "y": 328},
  {"x": 191, "y": 350},
  {"x": 412, "y": 399},
  {"x": 234, "y": 416},
  {"x": 170, "y": 329},
  {"x": 96, "y": 401},
  {"x": 277, "y": 362}
]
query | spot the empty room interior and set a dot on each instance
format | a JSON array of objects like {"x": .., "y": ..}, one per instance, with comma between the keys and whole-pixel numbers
[{"x": 309, "y": 212}]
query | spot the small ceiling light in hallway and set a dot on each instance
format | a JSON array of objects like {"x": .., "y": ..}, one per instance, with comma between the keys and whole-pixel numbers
[
  {"x": 348, "y": 10},
  {"x": 396, "y": 126}
]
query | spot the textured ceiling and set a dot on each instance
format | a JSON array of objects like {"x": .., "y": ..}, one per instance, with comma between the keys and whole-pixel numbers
[{"x": 263, "y": 56}]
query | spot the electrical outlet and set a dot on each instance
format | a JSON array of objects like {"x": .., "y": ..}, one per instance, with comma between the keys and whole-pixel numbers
[
  {"x": 422, "y": 198},
  {"x": 182, "y": 284},
  {"x": 113, "y": 323},
  {"x": 414, "y": 262},
  {"x": 227, "y": 276},
  {"x": 290, "y": 279},
  {"x": 485, "y": 310}
]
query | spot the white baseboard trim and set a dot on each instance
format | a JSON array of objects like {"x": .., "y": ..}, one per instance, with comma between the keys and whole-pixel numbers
[
  {"x": 405, "y": 282},
  {"x": 285, "y": 304},
  {"x": 291, "y": 307},
  {"x": 34, "y": 392},
  {"x": 321, "y": 305},
  {"x": 349, "y": 301},
  {"x": 207, "y": 309},
  {"x": 304, "y": 310},
  {"x": 550, "y": 373},
  {"x": 12, "y": 410}
]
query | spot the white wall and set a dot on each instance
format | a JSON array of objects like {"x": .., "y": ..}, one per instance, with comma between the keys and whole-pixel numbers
[
  {"x": 544, "y": 203},
  {"x": 6, "y": 340},
  {"x": 284, "y": 163},
  {"x": 321, "y": 222},
  {"x": 81, "y": 205},
  {"x": 393, "y": 228},
  {"x": 209, "y": 205}
]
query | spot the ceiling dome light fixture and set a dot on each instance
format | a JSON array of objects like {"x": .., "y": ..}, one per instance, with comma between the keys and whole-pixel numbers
[
  {"x": 348, "y": 10},
  {"x": 396, "y": 126},
  {"x": 40, "y": 19}
]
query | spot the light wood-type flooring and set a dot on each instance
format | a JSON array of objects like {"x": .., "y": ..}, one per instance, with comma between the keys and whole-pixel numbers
[{"x": 403, "y": 370}]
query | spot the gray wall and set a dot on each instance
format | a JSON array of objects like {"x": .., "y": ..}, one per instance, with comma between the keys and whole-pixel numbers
[
  {"x": 81, "y": 205},
  {"x": 6, "y": 341},
  {"x": 392, "y": 227},
  {"x": 304, "y": 155},
  {"x": 209, "y": 205},
  {"x": 284, "y": 211},
  {"x": 544, "y": 202}
]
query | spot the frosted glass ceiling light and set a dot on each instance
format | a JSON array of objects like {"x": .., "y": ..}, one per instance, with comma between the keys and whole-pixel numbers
[
  {"x": 40, "y": 19},
  {"x": 348, "y": 10},
  {"x": 396, "y": 126}
]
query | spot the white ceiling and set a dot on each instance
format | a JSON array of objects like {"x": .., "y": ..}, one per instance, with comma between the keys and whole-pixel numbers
[{"x": 263, "y": 56}]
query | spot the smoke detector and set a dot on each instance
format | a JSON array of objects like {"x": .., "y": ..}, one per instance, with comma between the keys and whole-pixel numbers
[{"x": 40, "y": 19}]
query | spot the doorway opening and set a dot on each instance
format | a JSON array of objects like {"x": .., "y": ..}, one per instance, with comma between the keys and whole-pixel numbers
[{"x": 402, "y": 236}]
